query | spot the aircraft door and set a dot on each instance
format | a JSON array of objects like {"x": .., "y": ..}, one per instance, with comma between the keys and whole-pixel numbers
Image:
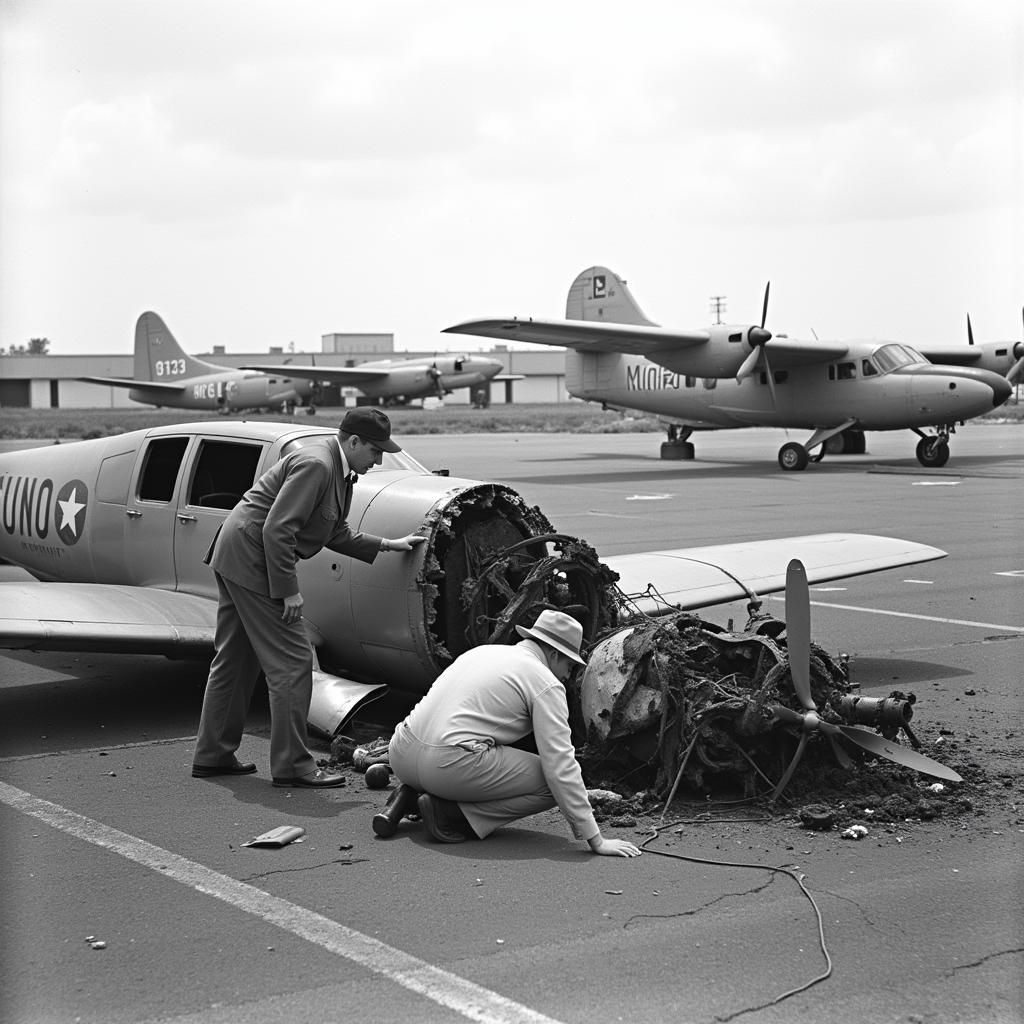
[
  {"x": 150, "y": 513},
  {"x": 217, "y": 474}
]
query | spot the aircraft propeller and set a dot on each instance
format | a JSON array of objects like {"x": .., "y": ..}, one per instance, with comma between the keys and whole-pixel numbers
[
  {"x": 1018, "y": 351},
  {"x": 435, "y": 374},
  {"x": 758, "y": 338},
  {"x": 798, "y": 640}
]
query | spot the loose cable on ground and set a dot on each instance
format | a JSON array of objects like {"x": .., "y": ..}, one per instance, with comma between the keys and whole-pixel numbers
[{"x": 657, "y": 830}]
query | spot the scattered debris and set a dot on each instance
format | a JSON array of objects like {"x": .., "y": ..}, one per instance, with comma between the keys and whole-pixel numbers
[
  {"x": 277, "y": 837},
  {"x": 853, "y": 832},
  {"x": 378, "y": 775},
  {"x": 817, "y": 817}
]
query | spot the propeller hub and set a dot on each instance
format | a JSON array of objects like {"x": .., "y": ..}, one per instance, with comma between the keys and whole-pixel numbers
[
  {"x": 811, "y": 722},
  {"x": 757, "y": 337}
]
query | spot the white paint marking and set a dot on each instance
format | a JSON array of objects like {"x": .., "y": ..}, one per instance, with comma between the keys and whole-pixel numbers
[
  {"x": 446, "y": 989},
  {"x": 936, "y": 483},
  {"x": 911, "y": 615},
  {"x": 1012, "y": 572},
  {"x": 928, "y": 583},
  {"x": 649, "y": 497},
  {"x": 827, "y": 590}
]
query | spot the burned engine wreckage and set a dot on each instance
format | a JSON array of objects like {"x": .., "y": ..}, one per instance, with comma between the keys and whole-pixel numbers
[{"x": 666, "y": 700}]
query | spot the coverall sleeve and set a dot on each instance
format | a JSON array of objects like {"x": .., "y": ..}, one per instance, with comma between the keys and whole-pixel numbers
[{"x": 558, "y": 760}]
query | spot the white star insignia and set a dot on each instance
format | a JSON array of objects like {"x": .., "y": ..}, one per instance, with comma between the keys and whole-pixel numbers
[{"x": 69, "y": 511}]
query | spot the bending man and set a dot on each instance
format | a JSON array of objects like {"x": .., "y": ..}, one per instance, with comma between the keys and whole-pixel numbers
[
  {"x": 294, "y": 510},
  {"x": 453, "y": 746}
]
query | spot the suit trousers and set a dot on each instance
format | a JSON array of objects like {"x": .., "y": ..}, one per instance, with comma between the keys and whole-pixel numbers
[
  {"x": 250, "y": 636},
  {"x": 492, "y": 784}
]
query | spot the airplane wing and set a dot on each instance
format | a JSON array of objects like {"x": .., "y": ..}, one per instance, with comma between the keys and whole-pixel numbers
[
  {"x": 690, "y": 578},
  {"x": 107, "y": 618},
  {"x": 140, "y": 385},
  {"x": 951, "y": 355},
  {"x": 144, "y": 620},
  {"x": 585, "y": 336},
  {"x": 337, "y": 374},
  {"x": 637, "y": 340}
]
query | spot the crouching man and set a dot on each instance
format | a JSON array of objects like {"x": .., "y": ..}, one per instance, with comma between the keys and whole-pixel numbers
[{"x": 453, "y": 747}]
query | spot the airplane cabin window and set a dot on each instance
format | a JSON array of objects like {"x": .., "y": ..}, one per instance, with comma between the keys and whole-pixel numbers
[
  {"x": 224, "y": 471},
  {"x": 160, "y": 472},
  {"x": 391, "y": 460},
  {"x": 867, "y": 369},
  {"x": 114, "y": 478},
  {"x": 691, "y": 382},
  {"x": 710, "y": 383},
  {"x": 847, "y": 371}
]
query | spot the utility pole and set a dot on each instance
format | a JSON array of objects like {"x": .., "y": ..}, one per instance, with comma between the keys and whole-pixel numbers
[{"x": 718, "y": 307}]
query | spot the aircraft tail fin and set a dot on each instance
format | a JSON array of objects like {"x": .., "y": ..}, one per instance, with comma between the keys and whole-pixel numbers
[
  {"x": 600, "y": 294},
  {"x": 158, "y": 356}
]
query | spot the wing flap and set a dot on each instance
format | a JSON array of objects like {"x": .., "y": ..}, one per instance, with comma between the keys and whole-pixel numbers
[
  {"x": 689, "y": 578},
  {"x": 584, "y": 336},
  {"x": 105, "y": 618}
]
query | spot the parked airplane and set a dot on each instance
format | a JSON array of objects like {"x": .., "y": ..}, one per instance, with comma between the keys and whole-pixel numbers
[
  {"x": 111, "y": 534},
  {"x": 1002, "y": 357},
  {"x": 696, "y": 380},
  {"x": 397, "y": 381},
  {"x": 165, "y": 375}
]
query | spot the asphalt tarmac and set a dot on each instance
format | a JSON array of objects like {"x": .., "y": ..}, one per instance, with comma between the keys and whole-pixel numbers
[{"x": 105, "y": 834}]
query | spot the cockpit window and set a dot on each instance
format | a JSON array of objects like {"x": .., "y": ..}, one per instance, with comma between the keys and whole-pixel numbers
[
  {"x": 892, "y": 357},
  {"x": 389, "y": 463}
]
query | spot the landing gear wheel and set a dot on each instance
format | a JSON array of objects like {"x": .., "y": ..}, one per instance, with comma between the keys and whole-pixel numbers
[
  {"x": 932, "y": 452},
  {"x": 853, "y": 442},
  {"x": 793, "y": 456},
  {"x": 310, "y": 410},
  {"x": 679, "y": 450}
]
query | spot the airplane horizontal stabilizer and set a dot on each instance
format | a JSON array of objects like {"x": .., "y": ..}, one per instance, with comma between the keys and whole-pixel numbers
[
  {"x": 689, "y": 578},
  {"x": 105, "y": 618},
  {"x": 141, "y": 385},
  {"x": 338, "y": 374}
]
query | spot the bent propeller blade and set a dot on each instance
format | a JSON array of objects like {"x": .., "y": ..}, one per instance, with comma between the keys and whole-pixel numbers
[
  {"x": 798, "y": 631},
  {"x": 879, "y": 745}
]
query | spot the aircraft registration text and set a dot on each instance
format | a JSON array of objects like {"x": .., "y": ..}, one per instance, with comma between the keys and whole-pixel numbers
[
  {"x": 169, "y": 367},
  {"x": 650, "y": 378}
]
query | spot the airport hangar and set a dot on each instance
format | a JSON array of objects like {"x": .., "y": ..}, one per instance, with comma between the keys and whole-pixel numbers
[{"x": 50, "y": 381}]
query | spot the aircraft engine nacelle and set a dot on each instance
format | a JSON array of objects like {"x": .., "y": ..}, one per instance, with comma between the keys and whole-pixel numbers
[
  {"x": 727, "y": 348},
  {"x": 404, "y": 618}
]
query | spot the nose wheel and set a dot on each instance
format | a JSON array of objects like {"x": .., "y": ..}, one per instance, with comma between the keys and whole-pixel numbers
[{"x": 933, "y": 451}]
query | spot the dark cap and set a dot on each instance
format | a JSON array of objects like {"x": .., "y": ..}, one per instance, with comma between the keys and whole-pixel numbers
[{"x": 371, "y": 425}]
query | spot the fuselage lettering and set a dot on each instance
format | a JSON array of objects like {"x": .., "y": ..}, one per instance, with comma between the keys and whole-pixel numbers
[
  {"x": 650, "y": 377},
  {"x": 26, "y": 505}
]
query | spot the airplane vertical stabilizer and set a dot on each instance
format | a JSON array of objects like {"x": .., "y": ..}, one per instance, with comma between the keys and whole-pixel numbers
[
  {"x": 599, "y": 294},
  {"x": 159, "y": 357}
]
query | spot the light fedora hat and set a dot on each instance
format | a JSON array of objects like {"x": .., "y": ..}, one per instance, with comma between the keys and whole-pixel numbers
[{"x": 558, "y": 630}]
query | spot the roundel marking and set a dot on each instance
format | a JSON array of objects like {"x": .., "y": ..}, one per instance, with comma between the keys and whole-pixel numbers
[{"x": 69, "y": 511}]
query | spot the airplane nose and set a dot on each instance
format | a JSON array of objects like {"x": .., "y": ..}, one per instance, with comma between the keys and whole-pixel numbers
[{"x": 1001, "y": 391}]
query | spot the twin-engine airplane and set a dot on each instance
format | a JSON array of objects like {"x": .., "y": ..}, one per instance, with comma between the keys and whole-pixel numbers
[
  {"x": 397, "y": 381},
  {"x": 741, "y": 375},
  {"x": 166, "y": 375},
  {"x": 112, "y": 532}
]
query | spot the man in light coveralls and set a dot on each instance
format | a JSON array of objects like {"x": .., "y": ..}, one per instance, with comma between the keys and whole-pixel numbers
[{"x": 453, "y": 747}]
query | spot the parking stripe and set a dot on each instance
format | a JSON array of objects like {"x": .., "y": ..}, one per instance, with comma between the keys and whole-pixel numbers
[
  {"x": 449, "y": 990},
  {"x": 912, "y": 615}
]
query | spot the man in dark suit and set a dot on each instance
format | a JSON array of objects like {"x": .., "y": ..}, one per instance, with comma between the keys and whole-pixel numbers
[{"x": 294, "y": 510}]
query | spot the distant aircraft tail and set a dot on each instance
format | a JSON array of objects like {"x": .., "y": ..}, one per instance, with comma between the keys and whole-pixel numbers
[
  {"x": 159, "y": 357},
  {"x": 600, "y": 294}
]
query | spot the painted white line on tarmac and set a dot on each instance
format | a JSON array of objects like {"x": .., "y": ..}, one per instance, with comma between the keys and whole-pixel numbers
[
  {"x": 464, "y": 997},
  {"x": 911, "y": 615},
  {"x": 105, "y": 749}
]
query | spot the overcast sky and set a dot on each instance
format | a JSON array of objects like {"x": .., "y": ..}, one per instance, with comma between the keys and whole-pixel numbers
[{"x": 262, "y": 173}]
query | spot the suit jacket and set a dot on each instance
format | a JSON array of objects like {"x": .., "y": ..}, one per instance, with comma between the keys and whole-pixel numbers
[{"x": 294, "y": 510}]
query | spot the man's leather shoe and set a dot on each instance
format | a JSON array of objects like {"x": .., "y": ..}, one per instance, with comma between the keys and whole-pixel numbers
[
  {"x": 236, "y": 767},
  {"x": 442, "y": 819},
  {"x": 320, "y": 779},
  {"x": 401, "y": 802}
]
